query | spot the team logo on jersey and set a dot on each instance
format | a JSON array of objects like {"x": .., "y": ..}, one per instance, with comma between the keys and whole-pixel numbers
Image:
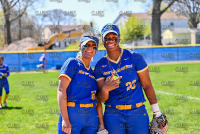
[
  {"x": 85, "y": 73},
  {"x": 119, "y": 70}
]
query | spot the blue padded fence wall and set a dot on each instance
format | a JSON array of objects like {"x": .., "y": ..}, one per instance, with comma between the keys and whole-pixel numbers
[{"x": 28, "y": 61}]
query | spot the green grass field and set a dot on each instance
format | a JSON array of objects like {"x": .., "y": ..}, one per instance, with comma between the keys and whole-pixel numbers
[{"x": 33, "y": 107}]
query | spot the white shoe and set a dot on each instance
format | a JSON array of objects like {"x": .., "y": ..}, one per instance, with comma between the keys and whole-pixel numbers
[
  {"x": 5, "y": 103},
  {"x": 0, "y": 105}
]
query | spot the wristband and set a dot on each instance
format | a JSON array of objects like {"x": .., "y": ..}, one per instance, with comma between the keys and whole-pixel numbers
[
  {"x": 156, "y": 109},
  {"x": 63, "y": 123}
]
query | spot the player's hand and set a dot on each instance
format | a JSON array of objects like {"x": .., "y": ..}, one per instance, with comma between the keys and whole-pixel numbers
[
  {"x": 66, "y": 127},
  {"x": 111, "y": 84},
  {"x": 4, "y": 75}
]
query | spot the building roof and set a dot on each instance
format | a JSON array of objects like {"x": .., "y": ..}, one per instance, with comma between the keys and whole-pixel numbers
[
  {"x": 164, "y": 16},
  {"x": 184, "y": 30},
  {"x": 148, "y": 16}
]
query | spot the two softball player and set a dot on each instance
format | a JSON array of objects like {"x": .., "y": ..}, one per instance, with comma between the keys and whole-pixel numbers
[
  {"x": 76, "y": 93},
  {"x": 4, "y": 73},
  {"x": 125, "y": 112}
]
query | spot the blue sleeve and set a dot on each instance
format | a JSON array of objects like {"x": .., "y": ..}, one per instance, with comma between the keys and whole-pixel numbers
[
  {"x": 98, "y": 72},
  {"x": 69, "y": 69},
  {"x": 8, "y": 72},
  {"x": 140, "y": 63}
]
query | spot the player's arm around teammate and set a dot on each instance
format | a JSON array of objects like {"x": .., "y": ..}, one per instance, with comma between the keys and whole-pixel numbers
[
  {"x": 76, "y": 92},
  {"x": 110, "y": 84}
]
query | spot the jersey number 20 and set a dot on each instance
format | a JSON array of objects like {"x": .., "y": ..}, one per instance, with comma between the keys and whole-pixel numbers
[{"x": 131, "y": 85}]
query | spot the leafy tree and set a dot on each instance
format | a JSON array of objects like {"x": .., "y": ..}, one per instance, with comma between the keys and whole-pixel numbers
[{"x": 134, "y": 28}]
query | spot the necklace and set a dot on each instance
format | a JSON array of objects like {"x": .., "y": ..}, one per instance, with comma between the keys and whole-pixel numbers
[{"x": 112, "y": 69}]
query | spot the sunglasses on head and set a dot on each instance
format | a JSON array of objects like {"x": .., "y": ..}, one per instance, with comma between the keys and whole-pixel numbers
[{"x": 94, "y": 38}]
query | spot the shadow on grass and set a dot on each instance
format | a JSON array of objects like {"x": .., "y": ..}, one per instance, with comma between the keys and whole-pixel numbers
[{"x": 10, "y": 108}]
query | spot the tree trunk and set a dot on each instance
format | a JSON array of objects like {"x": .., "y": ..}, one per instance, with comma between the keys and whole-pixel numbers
[
  {"x": 20, "y": 24},
  {"x": 156, "y": 24},
  {"x": 193, "y": 22},
  {"x": 7, "y": 23},
  {"x": 20, "y": 29},
  {"x": 7, "y": 7},
  {"x": 8, "y": 34}
]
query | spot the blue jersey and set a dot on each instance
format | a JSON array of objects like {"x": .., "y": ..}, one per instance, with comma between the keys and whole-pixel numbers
[
  {"x": 4, "y": 69},
  {"x": 128, "y": 65},
  {"x": 42, "y": 59},
  {"x": 83, "y": 85}
]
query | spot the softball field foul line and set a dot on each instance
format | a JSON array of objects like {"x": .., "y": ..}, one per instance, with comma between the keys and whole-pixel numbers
[{"x": 193, "y": 98}]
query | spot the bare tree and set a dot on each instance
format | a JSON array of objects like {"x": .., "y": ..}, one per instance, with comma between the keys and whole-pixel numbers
[
  {"x": 39, "y": 22},
  {"x": 8, "y": 6},
  {"x": 156, "y": 24},
  {"x": 26, "y": 28},
  {"x": 60, "y": 17},
  {"x": 19, "y": 22},
  {"x": 190, "y": 9}
]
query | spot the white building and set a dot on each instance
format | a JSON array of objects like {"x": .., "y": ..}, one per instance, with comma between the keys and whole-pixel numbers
[{"x": 169, "y": 20}]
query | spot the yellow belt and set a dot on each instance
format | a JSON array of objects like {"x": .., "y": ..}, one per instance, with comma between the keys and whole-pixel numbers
[
  {"x": 126, "y": 107},
  {"x": 72, "y": 104}
]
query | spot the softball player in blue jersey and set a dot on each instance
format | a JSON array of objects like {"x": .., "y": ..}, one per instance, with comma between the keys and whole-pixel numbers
[
  {"x": 125, "y": 112},
  {"x": 4, "y": 73},
  {"x": 80, "y": 111},
  {"x": 42, "y": 62}
]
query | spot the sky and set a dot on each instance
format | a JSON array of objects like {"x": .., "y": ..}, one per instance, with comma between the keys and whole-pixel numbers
[{"x": 98, "y": 11}]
